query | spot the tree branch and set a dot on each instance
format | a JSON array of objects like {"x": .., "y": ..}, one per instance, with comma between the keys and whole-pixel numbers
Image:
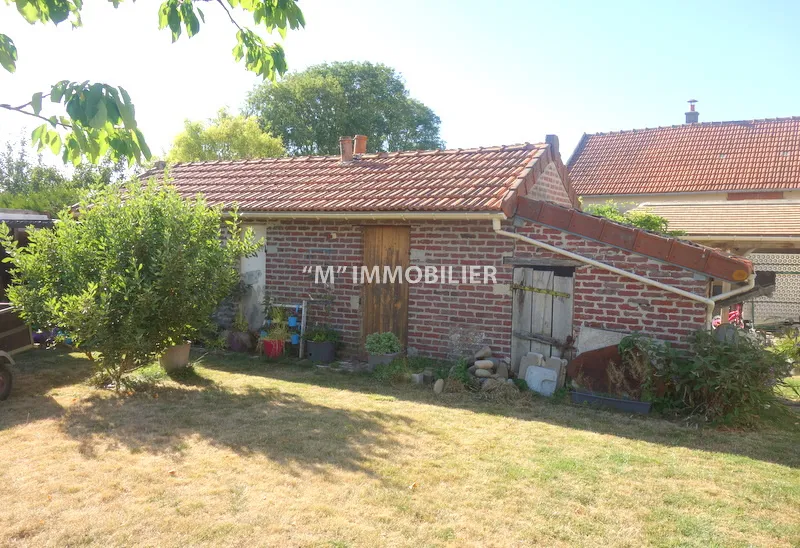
[
  {"x": 20, "y": 110},
  {"x": 230, "y": 16}
]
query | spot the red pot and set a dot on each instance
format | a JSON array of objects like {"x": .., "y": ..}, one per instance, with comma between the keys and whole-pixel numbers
[{"x": 273, "y": 349}]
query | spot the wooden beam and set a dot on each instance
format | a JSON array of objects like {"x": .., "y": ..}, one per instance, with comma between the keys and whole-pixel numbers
[
  {"x": 541, "y": 262},
  {"x": 528, "y": 336}
]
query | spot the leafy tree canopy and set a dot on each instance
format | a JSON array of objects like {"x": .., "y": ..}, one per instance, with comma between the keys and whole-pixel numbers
[
  {"x": 140, "y": 270},
  {"x": 225, "y": 138},
  {"x": 28, "y": 183},
  {"x": 100, "y": 118},
  {"x": 640, "y": 218},
  {"x": 311, "y": 109}
]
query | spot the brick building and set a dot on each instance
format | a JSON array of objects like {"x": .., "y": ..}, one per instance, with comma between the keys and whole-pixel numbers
[{"x": 523, "y": 268}]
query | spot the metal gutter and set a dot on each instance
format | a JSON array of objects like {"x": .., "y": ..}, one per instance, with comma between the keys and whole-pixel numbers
[{"x": 710, "y": 302}]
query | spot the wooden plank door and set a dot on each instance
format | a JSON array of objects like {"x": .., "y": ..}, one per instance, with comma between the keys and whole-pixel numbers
[
  {"x": 541, "y": 311},
  {"x": 385, "y": 305}
]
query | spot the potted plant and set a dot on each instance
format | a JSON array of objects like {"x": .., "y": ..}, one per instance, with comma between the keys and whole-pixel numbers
[
  {"x": 382, "y": 348},
  {"x": 274, "y": 341},
  {"x": 239, "y": 335},
  {"x": 321, "y": 344}
]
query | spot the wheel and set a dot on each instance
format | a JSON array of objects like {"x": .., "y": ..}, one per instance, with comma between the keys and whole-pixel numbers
[{"x": 5, "y": 382}]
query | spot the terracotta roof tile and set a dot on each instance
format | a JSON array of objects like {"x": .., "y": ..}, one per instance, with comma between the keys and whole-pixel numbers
[
  {"x": 435, "y": 180},
  {"x": 705, "y": 157}
]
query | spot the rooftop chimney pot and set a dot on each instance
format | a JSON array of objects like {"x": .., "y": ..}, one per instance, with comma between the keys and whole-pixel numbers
[
  {"x": 361, "y": 145},
  {"x": 692, "y": 116},
  {"x": 346, "y": 147}
]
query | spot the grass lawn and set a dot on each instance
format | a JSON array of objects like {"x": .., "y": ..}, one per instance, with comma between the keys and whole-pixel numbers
[{"x": 254, "y": 454}]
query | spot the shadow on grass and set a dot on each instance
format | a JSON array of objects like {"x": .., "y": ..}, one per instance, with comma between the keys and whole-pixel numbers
[
  {"x": 36, "y": 373},
  {"x": 283, "y": 427},
  {"x": 772, "y": 444}
]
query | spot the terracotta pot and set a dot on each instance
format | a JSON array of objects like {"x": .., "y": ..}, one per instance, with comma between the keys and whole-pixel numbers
[
  {"x": 653, "y": 245},
  {"x": 555, "y": 216},
  {"x": 586, "y": 225},
  {"x": 273, "y": 349},
  {"x": 618, "y": 235},
  {"x": 688, "y": 255},
  {"x": 176, "y": 357}
]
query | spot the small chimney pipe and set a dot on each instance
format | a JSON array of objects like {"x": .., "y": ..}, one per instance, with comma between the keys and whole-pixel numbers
[
  {"x": 346, "y": 148},
  {"x": 361, "y": 145},
  {"x": 692, "y": 116}
]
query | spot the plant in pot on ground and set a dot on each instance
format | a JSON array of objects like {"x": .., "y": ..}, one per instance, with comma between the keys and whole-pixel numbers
[
  {"x": 239, "y": 338},
  {"x": 382, "y": 348},
  {"x": 321, "y": 342},
  {"x": 275, "y": 341}
]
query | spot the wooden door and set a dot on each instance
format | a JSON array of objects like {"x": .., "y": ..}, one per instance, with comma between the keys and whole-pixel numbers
[
  {"x": 385, "y": 305},
  {"x": 542, "y": 311}
]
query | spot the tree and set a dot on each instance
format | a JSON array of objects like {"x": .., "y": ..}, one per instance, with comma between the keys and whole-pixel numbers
[
  {"x": 140, "y": 270},
  {"x": 100, "y": 118},
  {"x": 639, "y": 218},
  {"x": 225, "y": 138},
  {"x": 310, "y": 110},
  {"x": 27, "y": 183}
]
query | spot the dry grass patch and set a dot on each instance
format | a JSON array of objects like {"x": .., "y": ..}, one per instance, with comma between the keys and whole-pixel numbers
[{"x": 241, "y": 452}]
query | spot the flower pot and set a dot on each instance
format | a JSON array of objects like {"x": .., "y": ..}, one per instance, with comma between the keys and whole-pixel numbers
[
  {"x": 324, "y": 352},
  {"x": 295, "y": 338},
  {"x": 273, "y": 349},
  {"x": 292, "y": 321},
  {"x": 630, "y": 406},
  {"x": 176, "y": 357},
  {"x": 239, "y": 341},
  {"x": 380, "y": 359}
]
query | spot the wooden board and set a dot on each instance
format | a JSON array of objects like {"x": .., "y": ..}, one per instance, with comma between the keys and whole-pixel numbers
[
  {"x": 385, "y": 306},
  {"x": 521, "y": 316},
  {"x": 562, "y": 310}
]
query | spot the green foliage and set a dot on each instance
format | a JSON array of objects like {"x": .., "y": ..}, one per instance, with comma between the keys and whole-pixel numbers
[
  {"x": 139, "y": 271},
  {"x": 27, "y": 183},
  {"x": 240, "y": 323},
  {"x": 640, "y": 218},
  {"x": 311, "y": 109},
  {"x": 323, "y": 333},
  {"x": 460, "y": 372},
  {"x": 788, "y": 345},
  {"x": 100, "y": 118},
  {"x": 720, "y": 382},
  {"x": 278, "y": 333},
  {"x": 382, "y": 343},
  {"x": 395, "y": 371},
  {"x": 224, "y": 138}
]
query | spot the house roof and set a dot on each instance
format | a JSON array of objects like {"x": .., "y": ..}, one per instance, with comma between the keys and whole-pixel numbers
[
  {"x": 474, "y": 180},
  {"x": 738, "y": 218},
  {"x": 703, "y": 157},
  {"x": 688, "y": 255}
]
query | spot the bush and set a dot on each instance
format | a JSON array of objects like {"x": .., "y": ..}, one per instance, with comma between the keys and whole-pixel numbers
[
  {"x": 729, "y": 382},
  {"x": 382, "y": 343},
  {"x": 323, "y": 333},
  {"x": 395, "y": 371},
  {"x": 140, "y": 270}
]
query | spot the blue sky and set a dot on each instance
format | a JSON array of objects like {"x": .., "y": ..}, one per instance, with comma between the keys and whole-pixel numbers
[{"x": 496, "y": 72}]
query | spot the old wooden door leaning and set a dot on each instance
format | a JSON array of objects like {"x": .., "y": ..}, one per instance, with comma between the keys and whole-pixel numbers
[
  {"x": 385, "y": 305},
  {"x": 542, "y": 311}
]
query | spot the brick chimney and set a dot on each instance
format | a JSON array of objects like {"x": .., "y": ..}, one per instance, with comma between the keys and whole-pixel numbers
[
  {"x": 346, "y": 147},
  {"x": 361, "y": 145},
  {"x": 692, "y": 116}
]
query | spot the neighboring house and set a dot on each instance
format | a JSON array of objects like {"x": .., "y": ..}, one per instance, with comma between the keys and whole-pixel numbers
[
  {"x": 477, "y": 219},
  {"x": 730, "y": 185}
]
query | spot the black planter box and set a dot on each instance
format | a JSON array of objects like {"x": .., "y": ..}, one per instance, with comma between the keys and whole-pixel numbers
[
  {"x": 630, "y": 406},
  {"x": 323, "y": 352}
]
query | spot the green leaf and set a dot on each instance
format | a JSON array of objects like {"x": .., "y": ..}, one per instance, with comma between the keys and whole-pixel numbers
[
  {"x": 8, "y": 53},
  {"x": 36, "y": 103}
]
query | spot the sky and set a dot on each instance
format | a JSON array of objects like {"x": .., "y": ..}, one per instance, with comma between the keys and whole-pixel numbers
[{"x": 495, "y": 71}]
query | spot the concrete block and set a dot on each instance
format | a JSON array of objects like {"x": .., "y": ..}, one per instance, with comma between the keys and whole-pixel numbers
[
  {"x": 560, "y": 367},
  {"x": 532, "y": 359},
  {"x": 541, "y": 380}
]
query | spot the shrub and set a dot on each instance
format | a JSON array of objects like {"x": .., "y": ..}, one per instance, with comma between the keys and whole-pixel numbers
[
  {"x": 141, "y": 269},
  {"x": 731, "y": 382},
  {"x": 323, "y": 333},
  {"x": 382, "y": 343},
  {"x": 395, "y": 371}
]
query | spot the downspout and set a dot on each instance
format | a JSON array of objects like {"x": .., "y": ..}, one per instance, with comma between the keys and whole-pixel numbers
[{"x": 709, "y": 302}]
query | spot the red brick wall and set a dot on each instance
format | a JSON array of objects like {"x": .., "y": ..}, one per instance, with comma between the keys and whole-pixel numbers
[
  {"x": 447, "y": 320},
  {"x": 549, "y": 187}
]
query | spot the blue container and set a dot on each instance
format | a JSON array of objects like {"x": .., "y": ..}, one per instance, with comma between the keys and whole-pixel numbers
[
  {"x": 292, "y": 321},
  {"x": 295, "y": 338}
]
